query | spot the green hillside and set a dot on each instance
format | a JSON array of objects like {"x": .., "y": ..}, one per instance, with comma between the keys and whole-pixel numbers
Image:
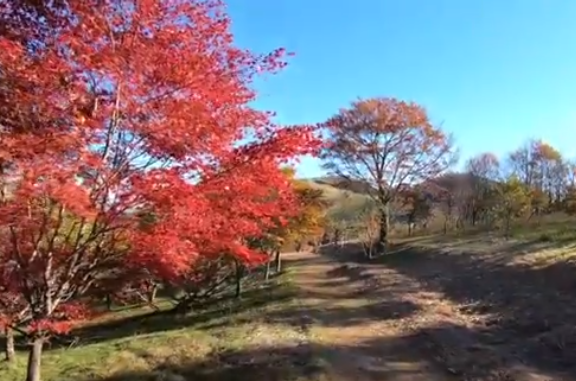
[
  {"x": 350, "y": 203},
  {"x": 347, "y": 207}
]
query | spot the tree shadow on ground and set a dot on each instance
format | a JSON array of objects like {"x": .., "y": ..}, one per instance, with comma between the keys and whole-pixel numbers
[
  {"x": 328, "y": 315},
  {"x": 359, "y": 299},
  {"x": 306, "y": 361},
  {"x": 418, "y": 356},
  {"x": 460, "y": 350},
  {"x": 257, "y": 294},
  {"x": 521, "y": 309},
  {"x": 168, "y": 320}
]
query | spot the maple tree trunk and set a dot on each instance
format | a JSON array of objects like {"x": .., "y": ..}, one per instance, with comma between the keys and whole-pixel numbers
[
  {"x": 34, "y": 360},
  {"x": 278, "y": 261},
  {"x": 10, "y": 353},
  {"x": 267, "y": 273},
  {"x": 152, "y": 297},
  {"x": 239, "y": 276},
  {"x": 152, "y": 294}
]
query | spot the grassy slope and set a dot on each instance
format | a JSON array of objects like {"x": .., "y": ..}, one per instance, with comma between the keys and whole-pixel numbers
[
  {"x": 556, "y": 228},
  {"x": 130, "y": 344},
  {"x": 337, "y": 195},
  {"x": 345, "y": 205},
  {"x": 216, "y": 344},
  {"x": 349, "y": 208}
]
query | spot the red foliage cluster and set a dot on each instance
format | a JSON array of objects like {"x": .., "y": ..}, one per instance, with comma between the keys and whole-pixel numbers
[{"x": 109, "y": 109}]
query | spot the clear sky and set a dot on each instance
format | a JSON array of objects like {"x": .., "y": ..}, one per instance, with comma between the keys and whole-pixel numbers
[{"x": 494, "y": 72}]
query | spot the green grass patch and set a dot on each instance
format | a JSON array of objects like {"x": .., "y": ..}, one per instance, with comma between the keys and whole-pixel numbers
[{"x": 223, "y": 342}]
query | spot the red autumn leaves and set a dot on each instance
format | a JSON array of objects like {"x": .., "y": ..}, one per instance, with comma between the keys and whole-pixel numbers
[{"x": 119, "y": 111}]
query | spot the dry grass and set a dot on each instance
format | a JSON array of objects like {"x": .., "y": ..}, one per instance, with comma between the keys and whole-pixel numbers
[
  {"x": 486, "y": 307},
  {"x": 515, "y": 298},
  {"x": 551, "y": 237}
]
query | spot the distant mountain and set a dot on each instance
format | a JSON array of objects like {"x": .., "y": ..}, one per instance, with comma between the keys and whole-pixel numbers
[
  {"x": 455, "y": 183},
  {"x": 362, "y": 187}
]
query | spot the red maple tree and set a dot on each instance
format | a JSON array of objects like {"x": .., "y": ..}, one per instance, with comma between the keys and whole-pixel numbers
[{"x": 110, "y": 108}]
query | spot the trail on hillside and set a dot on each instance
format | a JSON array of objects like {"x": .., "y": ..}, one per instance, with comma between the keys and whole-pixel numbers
[{"x": 369, "y": 321}]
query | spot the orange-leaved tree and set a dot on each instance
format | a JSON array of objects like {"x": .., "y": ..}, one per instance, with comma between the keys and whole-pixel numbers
[
  {"x": 417, "y": 204},
  {"x": 542, "y": 168},
  {"x": 310, "y": 219},
  {"x": 385, "y": 144},
  {"x": 109, "y": 108}
]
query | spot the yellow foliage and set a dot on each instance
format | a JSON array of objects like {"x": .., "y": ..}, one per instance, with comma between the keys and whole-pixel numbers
[
  {"x": 514, "y": 197},
  {"x": 312, "y": 217}
]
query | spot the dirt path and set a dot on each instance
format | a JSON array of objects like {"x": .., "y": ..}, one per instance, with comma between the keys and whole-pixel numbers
[
  {"x": 359, "y": 328},
  {"x": 396, "y": 318},
  {"x": 371, "y": 321}
]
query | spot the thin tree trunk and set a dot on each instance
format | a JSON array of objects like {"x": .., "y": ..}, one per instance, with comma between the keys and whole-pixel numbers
[
  {"x": 152, "y": 297},
  {"x": 239, "y": 276},
  {"x": 108, "y": 302},
  {"x": 152, "y": 294},
  {"x": 34, "y": 360},
  {"x": 268, "y": 265},
  {"x": 384, "y": 224},
  {"x": 316, "y": 247},
  {"x": 278, "y": 261},
  {"x": 507, "y": 228},
  {"x": 10, "y": 352}
]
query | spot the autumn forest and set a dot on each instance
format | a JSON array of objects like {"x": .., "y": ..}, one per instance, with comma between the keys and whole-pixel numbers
[{"x": 139, "y": 185}]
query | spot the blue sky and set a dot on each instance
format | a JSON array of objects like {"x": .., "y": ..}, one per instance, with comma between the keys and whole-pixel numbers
[{"x": 494, "y": 72}]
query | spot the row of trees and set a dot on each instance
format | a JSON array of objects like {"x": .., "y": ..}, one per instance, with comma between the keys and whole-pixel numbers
[
  {"x": 531, "y": 181},
  {"x": 130, "y": 159},
  {"x": 404, "y": 161}
]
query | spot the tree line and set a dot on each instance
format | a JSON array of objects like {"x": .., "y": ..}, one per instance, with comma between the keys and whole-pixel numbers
[{"x": 406, "y": 164}]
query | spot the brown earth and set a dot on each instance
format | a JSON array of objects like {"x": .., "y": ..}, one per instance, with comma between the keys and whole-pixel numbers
[
  {"x": 423, "y": 313},
  {"x": 357, "y": 328}
]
